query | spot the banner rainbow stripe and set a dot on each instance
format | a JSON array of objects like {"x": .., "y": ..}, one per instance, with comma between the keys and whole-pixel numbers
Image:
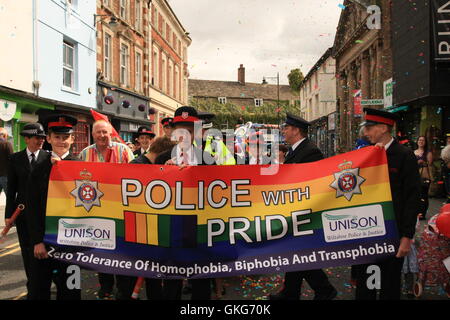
[{"x": 224, "y": 215}]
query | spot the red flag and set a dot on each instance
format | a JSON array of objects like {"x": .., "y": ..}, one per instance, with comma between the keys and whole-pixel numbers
[{"x": 98, "y": 116}]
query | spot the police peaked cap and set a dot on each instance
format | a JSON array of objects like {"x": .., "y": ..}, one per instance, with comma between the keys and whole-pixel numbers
[
  {"x": 296, "y": 121},
  {"x": 60, "y": 123},
  {"x": 166, "y": 121},
  {"x": 145, "y": 130},
  {"x": 375, "y": 116},
  {"x": 206, "y": 118},
  {"x": 33, "y": 130},
  {"x": 185, "y": 115}
]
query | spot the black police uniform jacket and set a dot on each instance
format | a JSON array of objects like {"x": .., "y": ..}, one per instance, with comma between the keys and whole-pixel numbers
[
  {"x": 37, "y": 199},
  {"x": 405, "y": 187},
  {"x": 137, "y": 152},
  {"x": 142, "y": 159},
  {"x": 19, "y": 169},
  {"x": 305, "y": 152}
]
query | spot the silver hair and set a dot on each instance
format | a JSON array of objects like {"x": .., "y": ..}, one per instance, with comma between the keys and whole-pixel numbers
[{"x": 445, "y": 154}]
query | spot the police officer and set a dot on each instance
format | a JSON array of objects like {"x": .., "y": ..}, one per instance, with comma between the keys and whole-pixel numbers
[
  {"x": 60, "y": 137},
  {"x": 167, "y": 126},
  {"x": 145, "y": 137},
  {"x": 214, "y": 145},
  {"x": 19, "y": 168},
  {"x": 186, "y": 154},
  {"x": 302, "y": 150},
  {"x": 405, "y": 188}
]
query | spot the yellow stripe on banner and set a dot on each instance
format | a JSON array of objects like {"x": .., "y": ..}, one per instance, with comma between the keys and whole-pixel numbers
[
  {"x": 318, "y": 201},
  {"x": 152, "y": 229},
  {"x": 141, "y": 228}
]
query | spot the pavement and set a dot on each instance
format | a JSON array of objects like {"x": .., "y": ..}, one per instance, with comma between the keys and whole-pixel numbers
[{"x": 255, "y": 287}]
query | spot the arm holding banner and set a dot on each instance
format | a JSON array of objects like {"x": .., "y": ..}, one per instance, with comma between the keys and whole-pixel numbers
[{"x": 410, "y": 197}]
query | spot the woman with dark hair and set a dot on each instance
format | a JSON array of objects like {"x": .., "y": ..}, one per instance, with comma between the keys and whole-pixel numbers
[{"x": 424, "y": 160}]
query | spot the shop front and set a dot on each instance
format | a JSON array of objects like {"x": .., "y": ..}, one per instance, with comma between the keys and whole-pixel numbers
[
  {"x": 17, "y": 109},
  {"x": 126, "y": 110}
]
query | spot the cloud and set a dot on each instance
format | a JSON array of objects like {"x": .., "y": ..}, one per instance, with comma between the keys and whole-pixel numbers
[{"x": 265, "y": 36}]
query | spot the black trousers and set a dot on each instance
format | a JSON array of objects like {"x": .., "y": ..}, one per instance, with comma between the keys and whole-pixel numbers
[
  {"x": 424, "y": 202},
  {"x": 26, "y": 249},
  {"x": 125, "y": 285},
  {"x": 43, "y": 272},
  {"x": 201, "y": 289},
  {"x": 317, "y": 279},
  {"x": 390, "y": 288}
]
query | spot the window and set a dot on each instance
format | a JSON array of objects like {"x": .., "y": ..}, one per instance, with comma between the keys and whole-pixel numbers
[
  {"x": 82, "y": 134},
  {"x": 124, "y": 64},
  {"x": 167, "y": 33},
  {"x": 175, "y": 85},
  {"x": 222, "y": 100},
  {"x": 155, "y": 24},
  {"x": 169, "y": 78},
  {"x": 107, "y": 3},
  {"x": 123, "y": 9},
  {"x": 155, "y": 68},
  {"x": 138, "y": 15},
  {"x": 163, "y": 75},
  {"x": 107, "y": 57},
  {"x": 258, "y": 102},
  {"x": 138, "y": 72},
  {"x": 68, "y": 65}
]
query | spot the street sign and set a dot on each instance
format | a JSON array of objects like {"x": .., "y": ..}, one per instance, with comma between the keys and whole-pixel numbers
[
  {"x": 387, "y": 91},
  {"x": 7, "y": 109},
  {"x": 372, "y": 102}
]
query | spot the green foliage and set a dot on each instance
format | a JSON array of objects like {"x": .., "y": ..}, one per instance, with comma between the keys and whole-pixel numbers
[
  {"x": 295, "y": 78},
  {"x": 228, "y": 115}
]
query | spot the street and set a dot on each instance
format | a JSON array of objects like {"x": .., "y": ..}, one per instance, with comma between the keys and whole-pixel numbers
[{"x": 256, "y": 287}]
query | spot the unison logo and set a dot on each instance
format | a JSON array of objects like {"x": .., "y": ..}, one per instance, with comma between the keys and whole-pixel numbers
[
  {"x": 91, "y": 232},
  {"x": 353, "y": 223},
  {"x": 85, "y": 231},
  {"x": 347, "y": 222}
]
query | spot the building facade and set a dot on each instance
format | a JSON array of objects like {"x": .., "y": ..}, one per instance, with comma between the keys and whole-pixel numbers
[
  {"x": 240, "y": 93},
  {"x": 54, "y": 41},
  {"x": 318, "y": 102},
  {"x": 168, "y": 61},
  {"x": 421, "y": 73},
  {"x": 362, "y": 49},
  {"x": 122, "y": 64}
]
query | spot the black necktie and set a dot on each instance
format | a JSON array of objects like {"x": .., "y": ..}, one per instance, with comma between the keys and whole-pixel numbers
[
  {"x": 290, "y": 150},
  {"x": 33, "y": 161}
]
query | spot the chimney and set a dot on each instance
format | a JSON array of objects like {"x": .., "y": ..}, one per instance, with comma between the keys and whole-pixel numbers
[{"x": 241, "y": 75}]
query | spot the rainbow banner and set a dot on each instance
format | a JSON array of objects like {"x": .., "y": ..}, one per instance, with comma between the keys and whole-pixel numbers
[{"x": 216, "y": 221}]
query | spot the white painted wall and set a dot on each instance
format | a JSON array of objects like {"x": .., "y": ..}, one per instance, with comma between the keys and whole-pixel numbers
[
  {"x": 59, "y": 21},
  {"x": 325, "y": 90},
  {"x": 16, "y": 34}
]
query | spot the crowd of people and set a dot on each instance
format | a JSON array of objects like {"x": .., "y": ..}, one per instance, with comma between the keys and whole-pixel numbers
[{"x": 24, "y": 176}]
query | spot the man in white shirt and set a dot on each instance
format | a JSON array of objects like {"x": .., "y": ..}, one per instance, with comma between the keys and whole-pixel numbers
[
  {"x": 184, "y": 155},
  {"x": 20, "y": 166},
  {"x": 405, "y": 189}
]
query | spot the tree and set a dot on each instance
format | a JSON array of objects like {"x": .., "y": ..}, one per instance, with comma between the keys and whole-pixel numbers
[
  {"x": 295, "y": 79},
  {"x": 230, "y": 114}
]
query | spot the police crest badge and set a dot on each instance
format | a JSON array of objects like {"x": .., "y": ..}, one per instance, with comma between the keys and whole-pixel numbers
[
  {"x": 86, "y": 192},
  {"x": 347, "y": 181}
]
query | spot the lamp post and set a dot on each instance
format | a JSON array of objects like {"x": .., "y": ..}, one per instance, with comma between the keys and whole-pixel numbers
[
  {"x": 113, "y": 22},
  {"x": 278, "y": 92}
]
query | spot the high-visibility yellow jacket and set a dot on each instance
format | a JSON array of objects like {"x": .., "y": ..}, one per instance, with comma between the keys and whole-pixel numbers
[{"x": 221, "y": 154}]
